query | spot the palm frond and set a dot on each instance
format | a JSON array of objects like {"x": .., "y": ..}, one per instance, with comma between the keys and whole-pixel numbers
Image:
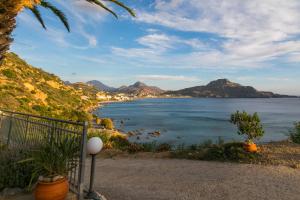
[
  {"x": 103, "y": 6},
  {"x": 38, "y": 15},
  {"x": 57, "y": 12},
  {"x": 129, "y": 10}
]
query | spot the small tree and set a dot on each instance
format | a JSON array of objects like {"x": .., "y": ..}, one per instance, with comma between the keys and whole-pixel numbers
[
  {"x": 107, "y": 123},
  {"x": 248, "y": 124},
  {"x": 295, "y": 133}
]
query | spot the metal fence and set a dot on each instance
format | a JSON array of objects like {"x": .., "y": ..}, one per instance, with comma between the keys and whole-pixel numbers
[{"x": 24, "y": 131}]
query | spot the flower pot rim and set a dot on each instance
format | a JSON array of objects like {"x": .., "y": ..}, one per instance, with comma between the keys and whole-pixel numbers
[
  {"x": 53, "y": 182},
  {"x": 249, "y": 143}
]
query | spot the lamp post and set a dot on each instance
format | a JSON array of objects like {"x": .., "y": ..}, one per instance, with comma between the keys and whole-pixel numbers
[{"x": 94, "y": 146}]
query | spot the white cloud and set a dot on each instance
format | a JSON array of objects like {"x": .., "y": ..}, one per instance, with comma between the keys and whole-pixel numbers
[
  {"x": 161, "y": 41},
  {"x": 256, "y": 32},
  {"x": 168, "y": 78}
]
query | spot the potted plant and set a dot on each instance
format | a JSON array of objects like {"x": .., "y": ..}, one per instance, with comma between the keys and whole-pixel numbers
[
  {"x": 250, "y": 126},
  {"x": 52, "y": 162}
]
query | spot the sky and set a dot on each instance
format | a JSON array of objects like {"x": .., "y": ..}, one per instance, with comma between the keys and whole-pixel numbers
[{"x": 172, "y": 44}]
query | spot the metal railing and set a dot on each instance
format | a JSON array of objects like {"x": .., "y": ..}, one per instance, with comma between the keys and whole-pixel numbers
[{"x": 21, "y": 131}]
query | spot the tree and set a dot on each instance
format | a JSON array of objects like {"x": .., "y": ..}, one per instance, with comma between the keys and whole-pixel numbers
[
  {"x": 247, "y": 124},
  {"x": 9, "y": 10}
]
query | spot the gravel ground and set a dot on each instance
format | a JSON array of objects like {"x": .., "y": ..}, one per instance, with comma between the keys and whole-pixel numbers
[{"x": 158, "y": 179}]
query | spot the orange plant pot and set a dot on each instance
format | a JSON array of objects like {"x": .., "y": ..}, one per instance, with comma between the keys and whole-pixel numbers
[
  {"x": 57, "y": 190},
  {"x": 252, "y": 148}
]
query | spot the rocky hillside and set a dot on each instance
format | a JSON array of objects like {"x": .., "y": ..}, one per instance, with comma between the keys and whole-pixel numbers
[
  {"x": 101, "y": 86},
  {"x": 224, "y": 88},
  {"x": 28, "y": 89},
  {"x": 140, "y": 89}
]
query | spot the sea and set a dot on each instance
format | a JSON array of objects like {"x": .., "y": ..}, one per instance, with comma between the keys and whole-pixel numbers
[{"x": 197, "y": 120}]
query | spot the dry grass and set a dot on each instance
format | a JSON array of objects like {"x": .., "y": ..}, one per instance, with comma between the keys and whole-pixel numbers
[
  {"x": 280, "y": 153},
  {"x": 115, "y": 153}
]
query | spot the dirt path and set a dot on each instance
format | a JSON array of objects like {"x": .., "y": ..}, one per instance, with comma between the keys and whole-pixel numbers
[{"x": 158, "y": 179}]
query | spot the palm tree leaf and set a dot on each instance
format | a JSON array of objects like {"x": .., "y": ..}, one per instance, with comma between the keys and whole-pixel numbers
[
  {"x": 57, "y": 12},
  {"x": 129, "y": 10},
  {"x": 103, "y": 6},
  {"x": 37, "y": 14}
]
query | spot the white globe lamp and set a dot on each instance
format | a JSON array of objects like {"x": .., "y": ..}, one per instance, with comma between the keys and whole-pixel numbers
[{"x": 94, "y": 146}]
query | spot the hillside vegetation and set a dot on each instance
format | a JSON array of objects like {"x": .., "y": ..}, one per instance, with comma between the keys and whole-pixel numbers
[{"x": 28, "y": 89}]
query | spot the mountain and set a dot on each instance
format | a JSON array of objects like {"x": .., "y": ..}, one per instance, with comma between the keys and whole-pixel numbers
[
  {"x": 223, "y": 88},
  {"x": 100, "y": 86},
  {"x": 28, "y": 89},
  {"x": 140, "y": 89}
]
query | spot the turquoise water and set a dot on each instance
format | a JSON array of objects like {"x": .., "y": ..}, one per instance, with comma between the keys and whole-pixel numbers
[{"x": 193, "y": 120}]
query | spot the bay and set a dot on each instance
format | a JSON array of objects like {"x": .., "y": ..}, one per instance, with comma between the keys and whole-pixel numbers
[{"x": 195, "y": 120}]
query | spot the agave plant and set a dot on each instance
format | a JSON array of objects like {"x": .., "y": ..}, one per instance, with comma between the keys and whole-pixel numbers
[
  {"x": 54, "y": 158},
  {"x": 9, "y": 10}
]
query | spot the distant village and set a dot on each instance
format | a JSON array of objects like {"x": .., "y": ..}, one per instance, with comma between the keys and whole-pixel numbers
[{"x": 110, "y": 97}]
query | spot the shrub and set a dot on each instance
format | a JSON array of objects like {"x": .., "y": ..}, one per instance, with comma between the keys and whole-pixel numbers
[
  {"x": 148, "y": 146},
  {"x": 163, "y": 147},
  {"x": 9, "y": 73},
  {"x": 295, "y": 133},
  {"x": 248, "y": 124},
  {"x": 119, "y": 142},
  {"x": 105, "y": 136},
  {"x": 232, "y": 151},
  {"x": 77, "y": 115},
  {"x": 14, "y": 174},
  {"x": 107, "y": 123},
  {"x": 134, "y": 148}
]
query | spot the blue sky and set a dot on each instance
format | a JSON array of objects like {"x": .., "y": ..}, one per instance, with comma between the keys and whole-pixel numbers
[{"x": 172, "y": 44}]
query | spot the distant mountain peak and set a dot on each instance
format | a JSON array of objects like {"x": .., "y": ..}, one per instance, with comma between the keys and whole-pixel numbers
[
  {"x": 101, "y": 86},
  {"x": 139, "y": 84},
  {"x": 140, "y": 89},
  {"x": 221, "y": 83}
]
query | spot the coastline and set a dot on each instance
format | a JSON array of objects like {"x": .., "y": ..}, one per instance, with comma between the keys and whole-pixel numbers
[{"x": 210, "y": 124}]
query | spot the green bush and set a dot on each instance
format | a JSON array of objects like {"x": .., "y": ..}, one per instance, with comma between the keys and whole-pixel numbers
[
  {"x": 232, "y": 151},
  {"x": 9, "y": 73},
  {"x": 134, "y": 148},
  {"x": 119, "y": 142},
  {"x": 77, "y": 115},
  {"x": 248, "y": 124},
  {"x": 295, "y": 133},
  {"x": 14, "y": 174},
  {"x": 107, "y": 123},
  {"x": 148, "y": 146},
  {"x": 105, "y": 136},
  {"x": 163, "y": 147}
]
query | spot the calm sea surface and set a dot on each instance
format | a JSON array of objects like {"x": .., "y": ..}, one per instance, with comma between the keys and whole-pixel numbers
[{"x": 193, "y": 120}]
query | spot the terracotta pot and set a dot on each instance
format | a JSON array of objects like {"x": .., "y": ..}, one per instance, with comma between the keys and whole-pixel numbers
[
  {"x": 252, "y": 148},
  {"x": 57, "y": 190}
]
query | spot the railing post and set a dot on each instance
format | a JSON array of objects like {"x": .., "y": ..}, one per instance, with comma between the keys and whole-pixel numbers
[
  {"x": 26, "y": 129},
  {"x": 9, "y": 130},
  {"x": 82, "y": 162}
]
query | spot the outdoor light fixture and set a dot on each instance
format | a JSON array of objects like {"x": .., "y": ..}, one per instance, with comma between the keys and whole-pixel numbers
[{"x": 94, "y": 146}]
